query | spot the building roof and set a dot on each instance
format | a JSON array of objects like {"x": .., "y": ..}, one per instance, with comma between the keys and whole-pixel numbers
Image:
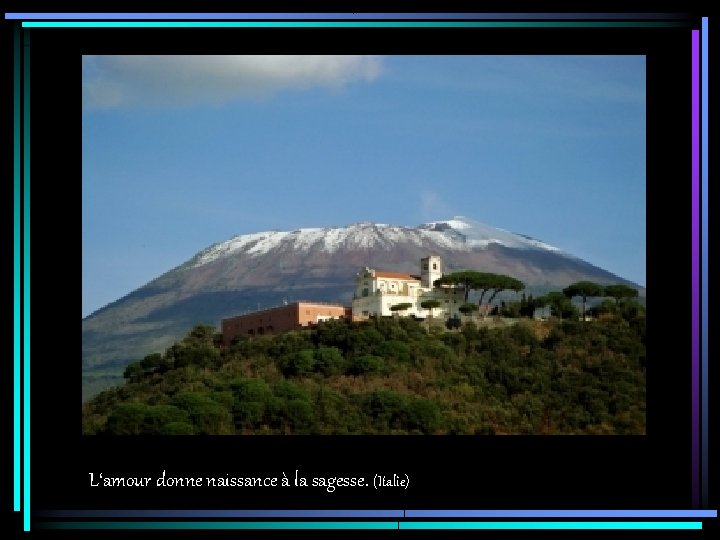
[
  {"x": 396, "y": 275},
  {"x": 289, "y": 306}
]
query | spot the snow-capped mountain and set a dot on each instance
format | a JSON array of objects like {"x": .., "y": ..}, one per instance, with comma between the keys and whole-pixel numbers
[
  {"x": 263, "y": 269},
  {"x": 457, "y": 234}
]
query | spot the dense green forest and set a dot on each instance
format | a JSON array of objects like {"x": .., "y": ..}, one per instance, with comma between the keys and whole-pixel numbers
[{"x": 392, "y": 376}]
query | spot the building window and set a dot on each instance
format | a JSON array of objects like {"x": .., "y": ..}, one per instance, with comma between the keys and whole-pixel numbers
[
  {"x": 434, "y": 266},
  {"x": 365, "y": 292}
]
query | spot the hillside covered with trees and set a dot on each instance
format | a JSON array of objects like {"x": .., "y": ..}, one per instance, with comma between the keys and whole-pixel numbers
[{"x": 395, "y": 376}]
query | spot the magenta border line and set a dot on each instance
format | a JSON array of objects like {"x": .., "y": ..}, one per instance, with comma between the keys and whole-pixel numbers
[
  {"x": 695, "y": 192},
  {"x": 319, "y": 513},
  {"x": 695, "y": 268},
  {"x": 704, "y": 258},
  {"x": 341, "y": 16}
]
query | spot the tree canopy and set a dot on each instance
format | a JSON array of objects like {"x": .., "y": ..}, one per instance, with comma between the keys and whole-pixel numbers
[
  {"x": 391, "y": 376},
  {"x": 584, "y": 289},
  {"x": 484, "y": 282},
  {"x": 560, "y": 305},
  {"x": 430, "y": 304},
  {"x": 505, "y": 283},
  {"x": 620, "y": 291}
]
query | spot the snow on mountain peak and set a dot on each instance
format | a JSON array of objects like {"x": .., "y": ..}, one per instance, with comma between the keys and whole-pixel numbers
[
  {"x": 458, "y": 233},
  {"x": 481, "y": 235},
  {"x": 458, "y": 223}
]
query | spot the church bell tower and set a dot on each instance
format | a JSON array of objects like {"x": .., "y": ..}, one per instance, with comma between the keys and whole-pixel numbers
[{"x": 430, "y": 270}]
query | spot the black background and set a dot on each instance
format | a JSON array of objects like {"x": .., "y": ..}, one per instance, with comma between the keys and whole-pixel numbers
[{"x": 561, "y": 472}]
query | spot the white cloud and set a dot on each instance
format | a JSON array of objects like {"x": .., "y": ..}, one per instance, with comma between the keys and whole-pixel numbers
[
  {"x": 432, "y": 206},
  {"x": 116, "y": 81}
]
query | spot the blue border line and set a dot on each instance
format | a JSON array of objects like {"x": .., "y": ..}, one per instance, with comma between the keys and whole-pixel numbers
[
  {"x": 26, "y": 285},
  {"x": 221, "y": 513},
  {"x": 16, "y": 271},
  {"x": 377, "y": 513},
  {"x": 333, "y": 16},
  {"x": 353, "y": 24},
  {"x": 704, "y": 258},
  {"x": 561, "y": 513}
]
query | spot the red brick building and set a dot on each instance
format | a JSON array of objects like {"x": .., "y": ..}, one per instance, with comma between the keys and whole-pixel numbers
[{"x": 281, "y": 319}]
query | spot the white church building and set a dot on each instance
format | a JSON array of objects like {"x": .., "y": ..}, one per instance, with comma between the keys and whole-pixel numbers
[{"x": 377, "y": 291}]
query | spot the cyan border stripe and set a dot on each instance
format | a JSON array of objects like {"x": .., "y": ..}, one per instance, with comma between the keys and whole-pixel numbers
[
  {"x": 26, "y": 284},
  {"x": 704, "y": 270},
  {"x": 695, "y": 279},
  {"x": 550, "y": 525},
  {"x": 331, "y": 16},
  {"x": 352, "y": 24},
  {"x": 16, "y": 271},
  {"x": 219, "y": 525}
]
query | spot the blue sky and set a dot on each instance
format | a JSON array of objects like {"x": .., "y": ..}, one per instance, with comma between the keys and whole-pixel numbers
[{"x": 183, "y": 152}]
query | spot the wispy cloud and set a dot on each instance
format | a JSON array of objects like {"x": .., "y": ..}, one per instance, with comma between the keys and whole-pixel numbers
[
  {"x": 432, "y": 206},
  {"x": 587, "y": 78},
  {"x": 116, "y": 81}
]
